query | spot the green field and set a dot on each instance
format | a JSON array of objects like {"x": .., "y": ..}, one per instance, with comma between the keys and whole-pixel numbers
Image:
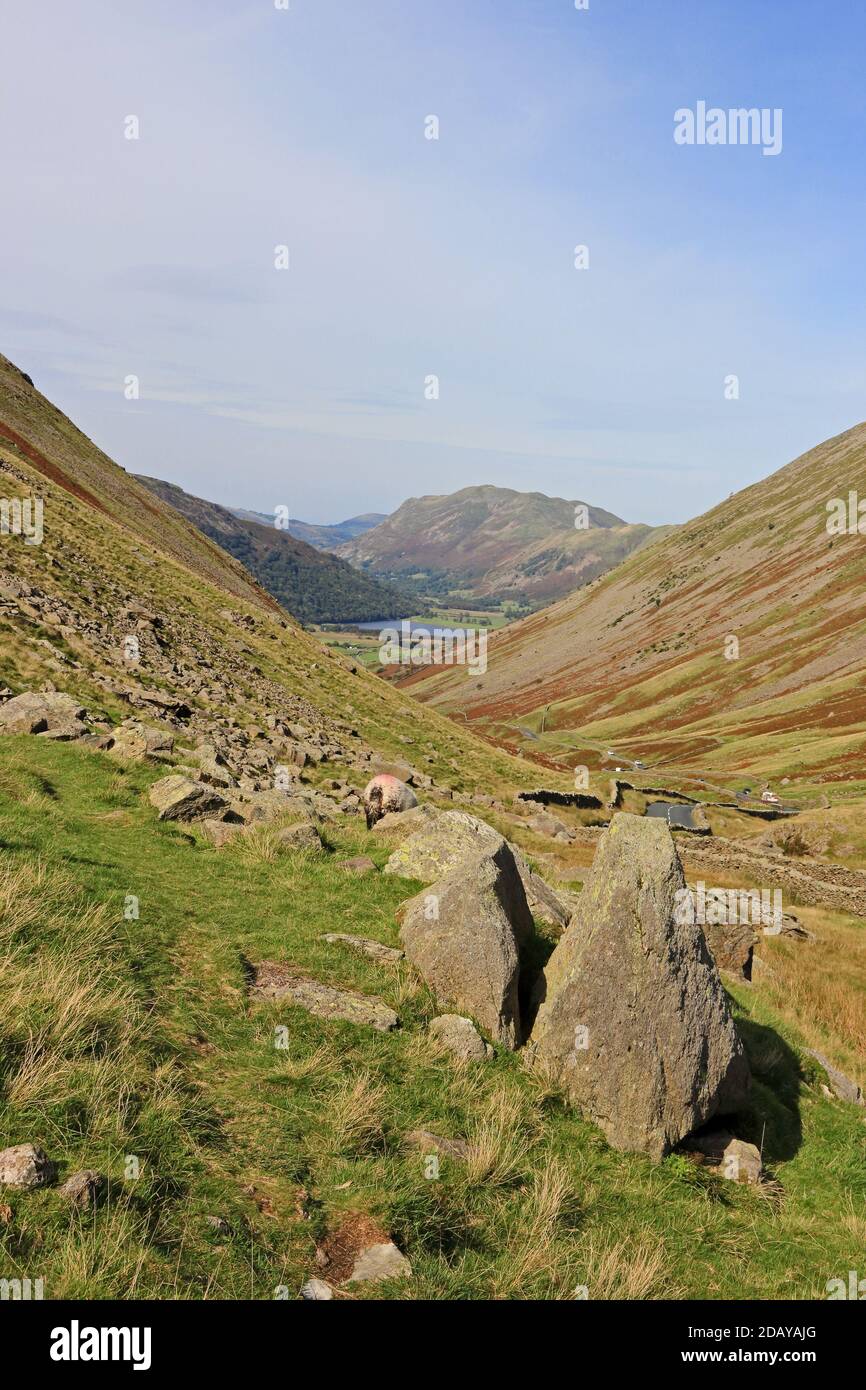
[{"x": 122, "y": 1037}]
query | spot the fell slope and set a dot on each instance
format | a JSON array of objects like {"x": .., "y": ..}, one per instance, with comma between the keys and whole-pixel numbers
[
  {"x": 117, "y": 562},
  {"x": 313, "y": 586},
  {"x": 495, "y": 544},
  {"x": 644, "y": 659}
]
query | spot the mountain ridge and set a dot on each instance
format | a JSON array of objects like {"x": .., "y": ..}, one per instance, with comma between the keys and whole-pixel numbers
[
  {"x": 638, "y": 658},
  {"x": 497, "y": 544}
]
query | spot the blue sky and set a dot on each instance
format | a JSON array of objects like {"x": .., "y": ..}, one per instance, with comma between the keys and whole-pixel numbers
[{"x": 411, "y": 257}]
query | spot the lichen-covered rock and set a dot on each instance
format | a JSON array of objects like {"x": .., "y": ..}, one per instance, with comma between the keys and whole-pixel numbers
[
  {"x": 180, "y": 798},
  {"x": 441, "y": 844},
  {"x": 460, "y": 1037},
  {"x": 35, "y": 711},
  {"x": 633, "y": 1017},
  {"x": 448, "y": 837},
  {"x": 274, "y": 980},
  {"x": 464, "y": 935},
  {"x": 25, "y": 1165}
]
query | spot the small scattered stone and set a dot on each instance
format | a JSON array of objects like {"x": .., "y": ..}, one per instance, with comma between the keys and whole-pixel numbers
[
  {"x": 387, "y": 955},
  {"x": 382, "y": 1261},
  {"x": 303, "y": 836},
  {"x": 460, "y": 1037},
  {"x": 841, "y": 1085},
  {"x": 734, "y": 1158},
  {"x": 430, "y": 1143},
  {"x": 361, "y": 864},
  {"x": 84, "y": 1189}
]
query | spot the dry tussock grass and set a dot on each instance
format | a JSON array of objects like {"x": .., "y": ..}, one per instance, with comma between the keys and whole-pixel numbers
[
  {"x": 68, "y": 1021},
  {"x": 819, "y": 986},
  {"x": 500, "y": 1137},
  {"x": 354, "y": 1115}
]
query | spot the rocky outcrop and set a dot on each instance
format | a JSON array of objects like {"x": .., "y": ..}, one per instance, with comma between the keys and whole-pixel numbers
[
  {"x": 464, "y": 935},
  {"x": 35, "y": 712},
  {"x": 180, "y": 798},
  {"x": 633, "y": 1018}
]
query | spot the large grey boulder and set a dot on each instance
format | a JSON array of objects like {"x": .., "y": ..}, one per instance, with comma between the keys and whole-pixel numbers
[
  {"x": 464, "y": 934},
  {"x": 633, "y": 1018},
  {"x": 438, "y": 846},
  {"x": 180, "y": 798},
  {"x": 36, "y": 711},
  {"x": 448, "y": 838}
]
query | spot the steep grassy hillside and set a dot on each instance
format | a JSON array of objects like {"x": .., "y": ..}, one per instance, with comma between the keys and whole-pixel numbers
[
  {"x": 735, "y": 645},
  {"x": 495, "y": 545},
  {"x": 313, "y": 586},
  {"x": 116, "y": 562}
]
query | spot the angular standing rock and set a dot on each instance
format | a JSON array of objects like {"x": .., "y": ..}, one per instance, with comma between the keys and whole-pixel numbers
[
  {"x": 464, "y": 934},
  {"x": 633, "y": 1018},
  {"x": 446, "y": 839}
]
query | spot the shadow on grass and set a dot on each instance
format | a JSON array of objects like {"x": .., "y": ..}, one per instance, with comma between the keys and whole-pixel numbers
[{"x": 771, "y": 1120}]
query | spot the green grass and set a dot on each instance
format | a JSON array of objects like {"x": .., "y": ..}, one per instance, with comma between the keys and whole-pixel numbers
[{"x": 135, "y": 1037}]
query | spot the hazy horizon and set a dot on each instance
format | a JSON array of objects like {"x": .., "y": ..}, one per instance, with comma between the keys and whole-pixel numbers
[{"x": 411, "y": 257}]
